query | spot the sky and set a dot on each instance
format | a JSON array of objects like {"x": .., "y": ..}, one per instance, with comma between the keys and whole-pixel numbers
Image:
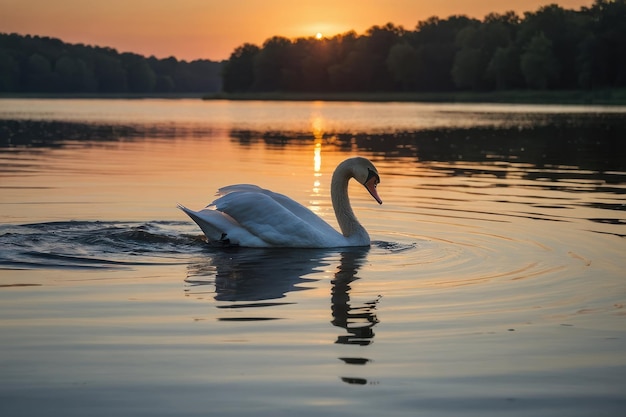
[{"x": 212, "y": 29}]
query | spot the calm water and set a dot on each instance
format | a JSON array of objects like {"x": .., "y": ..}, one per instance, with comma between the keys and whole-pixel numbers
[{"x": 495, "y": 284}]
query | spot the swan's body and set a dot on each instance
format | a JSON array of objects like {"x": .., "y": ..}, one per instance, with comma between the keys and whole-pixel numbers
[{"x": 247, "y": 215}]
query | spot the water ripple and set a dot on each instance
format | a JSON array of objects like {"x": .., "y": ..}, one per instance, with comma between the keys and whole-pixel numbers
[{"x": 85, "y": 244}]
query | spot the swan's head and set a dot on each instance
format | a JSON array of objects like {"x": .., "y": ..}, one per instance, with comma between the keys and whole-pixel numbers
[{"x": 366, "y": 173}]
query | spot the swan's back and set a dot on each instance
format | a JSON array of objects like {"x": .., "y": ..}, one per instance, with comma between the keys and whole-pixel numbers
[{"x": 247, "y": 215}]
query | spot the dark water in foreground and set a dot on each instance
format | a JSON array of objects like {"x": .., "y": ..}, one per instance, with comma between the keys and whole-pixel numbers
[{"x": 495, "y": 283}]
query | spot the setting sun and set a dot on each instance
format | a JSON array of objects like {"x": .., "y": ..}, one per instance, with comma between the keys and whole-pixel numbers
[{"x": 318, "y": 35}]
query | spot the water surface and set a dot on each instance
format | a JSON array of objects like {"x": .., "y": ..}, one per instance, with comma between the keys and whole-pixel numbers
[{"x": 495, "y": 282}]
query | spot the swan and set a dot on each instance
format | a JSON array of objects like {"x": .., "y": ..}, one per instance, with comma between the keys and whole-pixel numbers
[{"x": 250, "y": 216}]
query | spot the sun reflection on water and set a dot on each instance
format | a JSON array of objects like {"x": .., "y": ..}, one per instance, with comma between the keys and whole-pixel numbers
[
  {"x": 317, "y": 157},
  {"x": 318, "y": 133}
]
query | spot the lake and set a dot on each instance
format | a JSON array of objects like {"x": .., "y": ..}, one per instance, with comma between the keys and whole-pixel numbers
[{"x": 495, "y": 283}]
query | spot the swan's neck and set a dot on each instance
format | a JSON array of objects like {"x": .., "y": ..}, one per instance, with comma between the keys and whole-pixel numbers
[{"x": 350, "y": 226}]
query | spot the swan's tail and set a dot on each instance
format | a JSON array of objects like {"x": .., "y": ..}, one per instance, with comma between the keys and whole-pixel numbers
[{"x": 206, "y": 220}]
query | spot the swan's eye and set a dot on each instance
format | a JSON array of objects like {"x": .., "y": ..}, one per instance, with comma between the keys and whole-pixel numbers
[{"x": 371, "y": 174}]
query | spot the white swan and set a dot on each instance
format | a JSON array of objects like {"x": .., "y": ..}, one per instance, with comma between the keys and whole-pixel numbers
[{"x": 247, "y": 215}]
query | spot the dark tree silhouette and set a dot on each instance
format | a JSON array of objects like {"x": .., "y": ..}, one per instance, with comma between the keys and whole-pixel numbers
[
  {"x": 551, "y": 48},
  {"x": 45, "y": 65},
  {"x": 238, "y": 71}
]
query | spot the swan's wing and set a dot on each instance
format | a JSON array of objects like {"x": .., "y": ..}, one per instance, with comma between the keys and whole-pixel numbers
[
  {"x": 248, "y": 215},
  {"x": 293, "y": 206},
  {"x": 277, "y": 219},
  {"x": 220, "y": 227},
  {"x": 239, "y": 187}
]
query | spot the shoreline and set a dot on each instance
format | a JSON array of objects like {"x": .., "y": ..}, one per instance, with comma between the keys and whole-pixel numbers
[
  {"x": 610, "y": 97},
  {"x": 101, "y": 96},
  {"x": 598, "y": 97}
]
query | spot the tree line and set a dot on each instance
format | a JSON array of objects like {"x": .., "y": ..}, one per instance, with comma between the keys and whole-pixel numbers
[
  {"x": 33, "y": 64},
  {"x": 551, "y": 48}
]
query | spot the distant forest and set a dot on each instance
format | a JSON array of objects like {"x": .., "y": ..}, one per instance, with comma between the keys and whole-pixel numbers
[
  {"x": 33, "y": 64},
  {"x": 550, "y": 49}
]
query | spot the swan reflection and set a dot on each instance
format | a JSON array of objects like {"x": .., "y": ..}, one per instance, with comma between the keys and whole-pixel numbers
[
  {"x": 251, "y": 278},
  {"x": 256, "y": 276},
  {"x": 359, "y": 320}
]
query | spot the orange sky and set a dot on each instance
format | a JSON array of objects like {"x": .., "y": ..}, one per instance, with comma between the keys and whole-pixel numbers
[{"x": 212, "y": 29}]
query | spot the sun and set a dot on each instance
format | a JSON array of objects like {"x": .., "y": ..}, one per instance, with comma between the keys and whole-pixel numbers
[{"x": 318, "y": 35}]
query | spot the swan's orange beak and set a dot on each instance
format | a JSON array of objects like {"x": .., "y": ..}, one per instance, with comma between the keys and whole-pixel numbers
[{"x": 371, "y": 184}]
